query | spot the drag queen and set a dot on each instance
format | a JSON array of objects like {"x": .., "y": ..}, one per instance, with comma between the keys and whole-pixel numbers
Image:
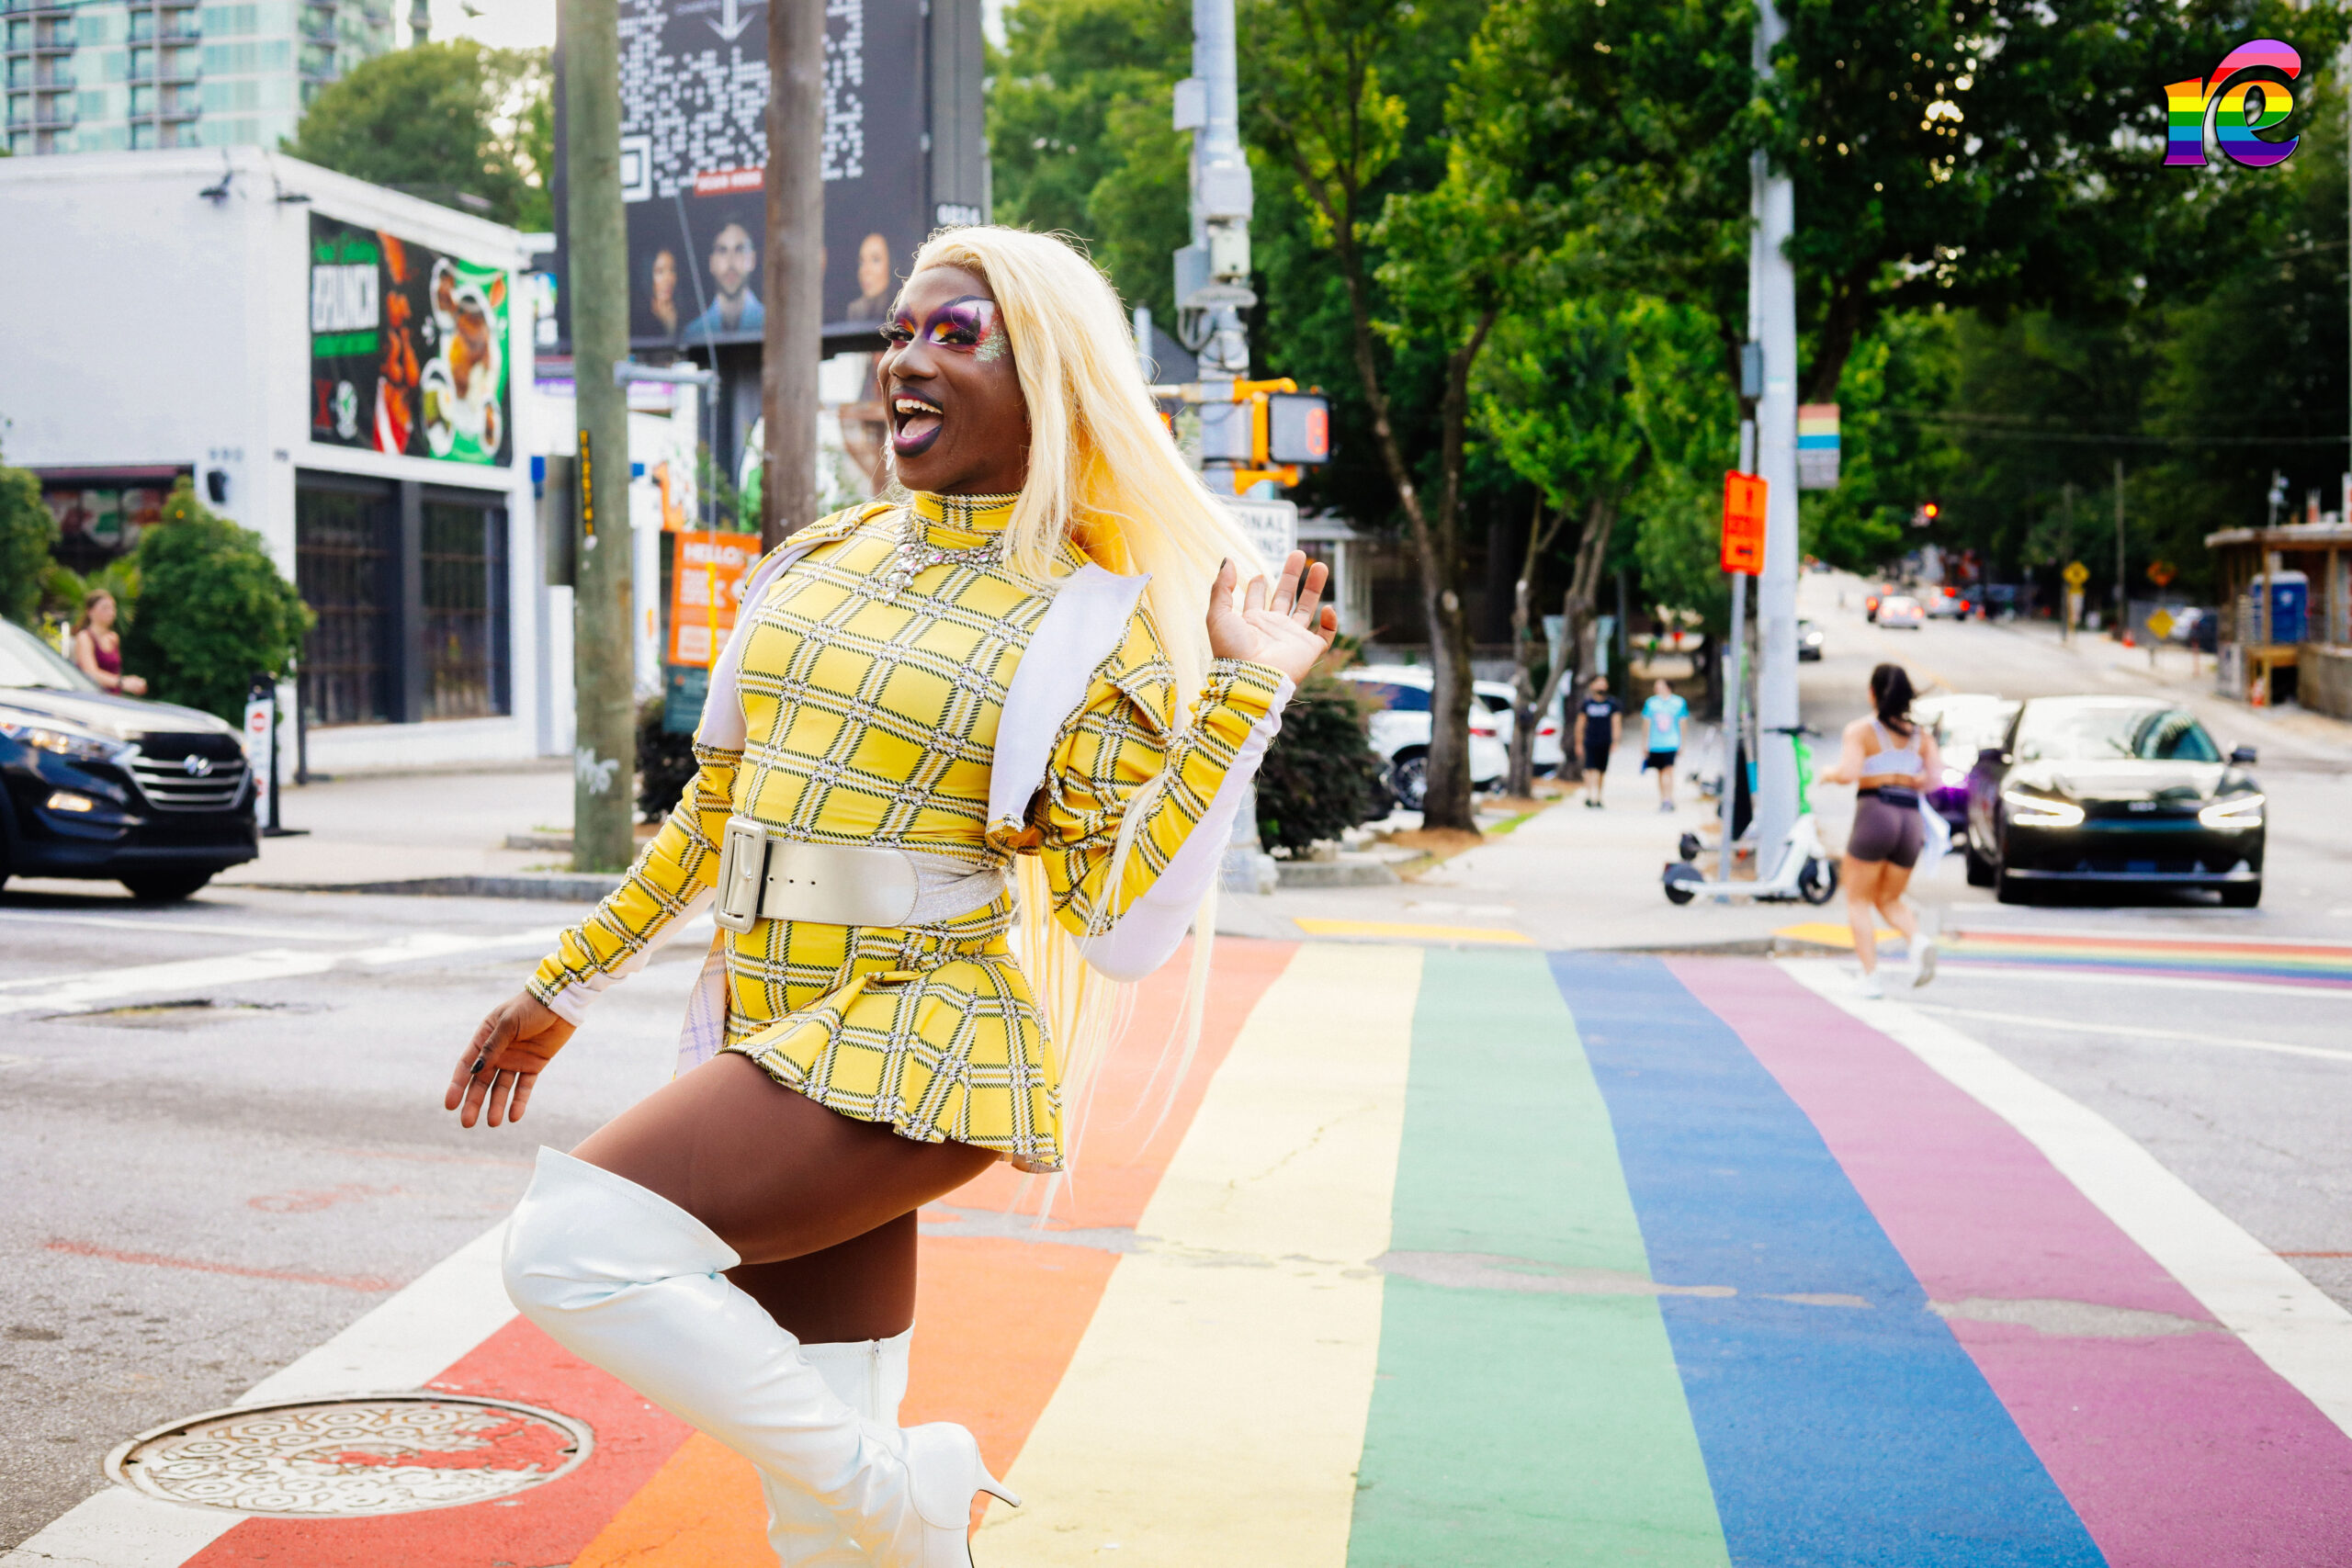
[{"x": 971, "y": 757}]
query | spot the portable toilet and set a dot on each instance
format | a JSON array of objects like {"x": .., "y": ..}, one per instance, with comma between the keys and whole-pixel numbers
[{"x": 2290, "y": 617}]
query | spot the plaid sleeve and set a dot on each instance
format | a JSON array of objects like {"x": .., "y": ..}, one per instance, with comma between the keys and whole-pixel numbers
[
  {"x": 675, "y": 871},
  {"x": 1122, "y": 739}
]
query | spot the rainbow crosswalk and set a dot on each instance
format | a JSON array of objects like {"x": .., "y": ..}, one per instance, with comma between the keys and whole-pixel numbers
[
  {"x": 1496, "y": 1257},
  {"x": 2274, "y": 962}
]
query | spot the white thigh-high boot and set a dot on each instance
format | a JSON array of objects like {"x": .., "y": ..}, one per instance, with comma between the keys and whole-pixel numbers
[
  {"x": 870, "y": 1376},
  {"x": 628, "y": 1281}
]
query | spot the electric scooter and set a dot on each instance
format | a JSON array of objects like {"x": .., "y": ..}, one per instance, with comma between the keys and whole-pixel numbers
[{"x": 1805, "y": 869}]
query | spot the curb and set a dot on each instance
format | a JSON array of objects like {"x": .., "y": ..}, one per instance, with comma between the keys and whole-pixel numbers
[{"x": 574, "y": 887}]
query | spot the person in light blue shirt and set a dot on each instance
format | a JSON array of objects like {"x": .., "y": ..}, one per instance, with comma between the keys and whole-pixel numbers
[{"x": 1664, "y": 713}]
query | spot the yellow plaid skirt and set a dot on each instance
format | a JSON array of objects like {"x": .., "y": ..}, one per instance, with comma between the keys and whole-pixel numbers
[{"x": 933, "y": 1031}]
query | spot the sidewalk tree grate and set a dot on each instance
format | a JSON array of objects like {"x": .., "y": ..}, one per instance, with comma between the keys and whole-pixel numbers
[{"x": 394, "y": 1453}]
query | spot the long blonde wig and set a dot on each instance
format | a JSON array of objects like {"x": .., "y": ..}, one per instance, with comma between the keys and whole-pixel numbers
[{"x": 1103, "y": 472}]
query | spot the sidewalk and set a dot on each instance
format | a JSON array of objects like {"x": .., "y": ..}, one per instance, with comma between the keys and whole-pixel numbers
[
  {"x": 384, "y": 827},
  {"x": 1486, "y": 1258}
]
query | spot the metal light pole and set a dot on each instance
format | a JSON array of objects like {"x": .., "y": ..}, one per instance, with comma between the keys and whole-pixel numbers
[
  {"x": 1772, "y": 322},
  {"x": 1213, "y": 272},
  {"x": 604, "y": 679},
  {"x": 792, "y": 340}
]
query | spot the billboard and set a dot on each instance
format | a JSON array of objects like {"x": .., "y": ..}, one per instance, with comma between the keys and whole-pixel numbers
[
  {"x": 408, "y": 348},
  {"x": 693, "y": 152}
]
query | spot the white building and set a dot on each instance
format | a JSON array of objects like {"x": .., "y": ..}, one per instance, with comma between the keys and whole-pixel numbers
[
  {"x": 106, "y": 75},
  {"x": 346, "y": 371}
]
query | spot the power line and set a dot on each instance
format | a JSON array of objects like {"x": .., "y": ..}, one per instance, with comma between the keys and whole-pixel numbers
[{"x": 1990, "y": 426}]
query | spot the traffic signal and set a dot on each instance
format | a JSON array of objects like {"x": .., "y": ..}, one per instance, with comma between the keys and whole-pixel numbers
[{"x": 1926, "y": 511}]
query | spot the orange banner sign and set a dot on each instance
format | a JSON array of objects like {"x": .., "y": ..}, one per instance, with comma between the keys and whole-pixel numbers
[{"x": 706, "y": 577}]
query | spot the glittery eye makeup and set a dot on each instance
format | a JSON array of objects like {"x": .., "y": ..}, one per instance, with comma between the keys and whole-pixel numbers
[{"x": 968, "y": 325}]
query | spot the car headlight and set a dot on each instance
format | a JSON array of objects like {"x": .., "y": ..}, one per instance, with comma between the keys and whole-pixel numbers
[
  {"x": 70, "y": 743},
  {"x": 2040, "y": 811},
  {"x": 2238, "y": 811}
]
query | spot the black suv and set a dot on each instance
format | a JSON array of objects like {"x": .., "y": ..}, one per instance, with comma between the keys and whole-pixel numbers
[{"x": 96, "y": 785}]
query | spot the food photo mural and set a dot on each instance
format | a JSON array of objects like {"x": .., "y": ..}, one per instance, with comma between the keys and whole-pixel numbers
[{"x": 408, "y": 348}]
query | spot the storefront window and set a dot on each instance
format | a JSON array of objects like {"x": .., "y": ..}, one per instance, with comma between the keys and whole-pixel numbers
[
  {"x": 96, "y": 524},
  {"x": 464, "y": 560},
  {"x": 344, "y": 568}
]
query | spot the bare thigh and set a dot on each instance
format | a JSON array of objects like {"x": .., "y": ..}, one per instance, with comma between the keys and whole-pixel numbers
[
  {"x": 777, "y": 1176},
  {"x": 863, "y": 1288},
  {"x": 1891, "y": 880},
  {"x": 1863, "y": 878}
]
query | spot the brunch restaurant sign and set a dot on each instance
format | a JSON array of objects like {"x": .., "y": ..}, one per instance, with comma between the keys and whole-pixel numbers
[{"x": 408, "y": 348}]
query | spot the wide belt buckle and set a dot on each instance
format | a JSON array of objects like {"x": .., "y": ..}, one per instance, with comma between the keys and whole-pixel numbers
[{"x": 742, "y": 873}]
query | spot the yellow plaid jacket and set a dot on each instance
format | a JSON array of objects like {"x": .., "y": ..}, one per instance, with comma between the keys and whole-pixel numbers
[{"x": 873, "y": 719}]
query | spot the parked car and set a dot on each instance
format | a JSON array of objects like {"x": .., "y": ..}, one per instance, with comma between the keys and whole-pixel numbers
[
  {"x": 1501, "y": 703},
  {"x": 1963, "y": 723},
  {"x": 2116, "y": 790},
  {"x": 105, "y": 787},
  {"x": 1400, "y": 731},
  {"x": 1900, "y": 612},
  {"x": 1810, "y": 641}
]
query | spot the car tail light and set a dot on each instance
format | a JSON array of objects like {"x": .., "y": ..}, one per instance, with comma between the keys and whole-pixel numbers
[{"x": 1486, "y": 730}]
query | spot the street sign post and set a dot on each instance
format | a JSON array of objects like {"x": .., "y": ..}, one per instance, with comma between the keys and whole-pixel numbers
[{"x": 2076, "y": 574}]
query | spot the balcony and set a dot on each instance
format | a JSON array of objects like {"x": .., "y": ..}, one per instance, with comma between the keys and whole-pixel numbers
[
  {"x": 60, "y": 8},
  {"x": 58, "y": 115}
]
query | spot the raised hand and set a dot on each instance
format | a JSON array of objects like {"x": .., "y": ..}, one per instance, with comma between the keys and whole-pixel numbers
[
  {"x": 1288, "y": 628},
  {"x": 503, "y": 1060}
]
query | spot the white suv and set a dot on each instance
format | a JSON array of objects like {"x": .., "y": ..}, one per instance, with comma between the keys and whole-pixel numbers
[
  {"x": 1499, "y": 699},
  {"x": 1401, "y": 730}
]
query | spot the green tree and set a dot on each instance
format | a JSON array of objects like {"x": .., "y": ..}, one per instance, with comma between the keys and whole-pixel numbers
[
  {"x": 1079, "y": 133},
  {"x": 1554, "y": 403},
  {"x": 28, "y": 530},
  {"x": 452, "y": 122},
  {"x": 213, "y": 610},
  {"x": 1975, "y": 154}
]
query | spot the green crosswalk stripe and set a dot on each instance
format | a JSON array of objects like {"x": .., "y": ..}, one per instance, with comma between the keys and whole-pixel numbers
[{"x": 1526, "y": 1412}]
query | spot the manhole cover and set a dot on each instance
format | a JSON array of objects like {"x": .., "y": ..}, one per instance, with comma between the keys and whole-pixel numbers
[{"x": 372, "y": 1454}]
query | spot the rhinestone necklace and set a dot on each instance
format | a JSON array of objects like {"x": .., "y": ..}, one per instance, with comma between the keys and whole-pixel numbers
[{"x": 915, "y": 552}]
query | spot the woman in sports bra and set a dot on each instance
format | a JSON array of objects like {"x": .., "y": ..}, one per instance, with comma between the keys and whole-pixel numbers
[{"x": 1890, "y": 759}]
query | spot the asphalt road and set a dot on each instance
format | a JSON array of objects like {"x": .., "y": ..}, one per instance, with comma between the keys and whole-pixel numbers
[
  {"x": 214, "y": 1169},
  {"x": 2264, "y": 1133}
]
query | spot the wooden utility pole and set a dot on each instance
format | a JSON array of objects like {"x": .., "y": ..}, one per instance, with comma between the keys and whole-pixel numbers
[
  {"x": 794, "y": 274},
  {"x": 603, "y": 660}
]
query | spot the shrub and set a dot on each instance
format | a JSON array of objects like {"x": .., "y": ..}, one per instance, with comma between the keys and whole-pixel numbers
[
  {"x": 665, "y": 763},
  {"x": 1321, "y": 776},
  {"x": 26, "y": 533},
  {"x": 213, "y": 611}
]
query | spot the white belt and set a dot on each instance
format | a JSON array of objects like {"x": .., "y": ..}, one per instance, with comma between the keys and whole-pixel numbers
[{"x": 762, "y": 875}]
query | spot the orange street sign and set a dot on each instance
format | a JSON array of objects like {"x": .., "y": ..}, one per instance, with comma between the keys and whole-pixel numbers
[
  {"x": 1743, "y": 522},
  {"x": 2161, "y": 573}
]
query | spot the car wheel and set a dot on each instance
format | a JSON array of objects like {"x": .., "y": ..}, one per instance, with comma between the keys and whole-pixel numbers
[
  {"x": 166, "y": 886},
  {"x": 2241, "y": 894},
  {"x": 1408, "y": 778},
  {"x": 1980, "y": 870}
]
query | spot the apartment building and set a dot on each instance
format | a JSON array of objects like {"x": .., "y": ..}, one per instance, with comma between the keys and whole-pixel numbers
[{"x": 113, "y": 75}]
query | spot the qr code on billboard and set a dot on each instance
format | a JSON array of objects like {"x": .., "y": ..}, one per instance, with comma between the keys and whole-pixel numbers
[{"x": 694, "y": 91}]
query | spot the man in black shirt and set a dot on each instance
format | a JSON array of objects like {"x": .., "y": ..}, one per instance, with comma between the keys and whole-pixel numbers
[{"x": 1601, "y": 721}]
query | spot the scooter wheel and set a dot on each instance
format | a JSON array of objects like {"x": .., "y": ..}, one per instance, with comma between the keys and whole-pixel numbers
[
  {"x": 1817, "y": 883},
  {"x": 1689, "y": 846},
  {"x": 1678, "y": 880}
]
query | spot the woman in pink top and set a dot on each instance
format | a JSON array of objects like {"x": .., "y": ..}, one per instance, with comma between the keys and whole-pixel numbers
[{"x": 98, "y": 650}]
